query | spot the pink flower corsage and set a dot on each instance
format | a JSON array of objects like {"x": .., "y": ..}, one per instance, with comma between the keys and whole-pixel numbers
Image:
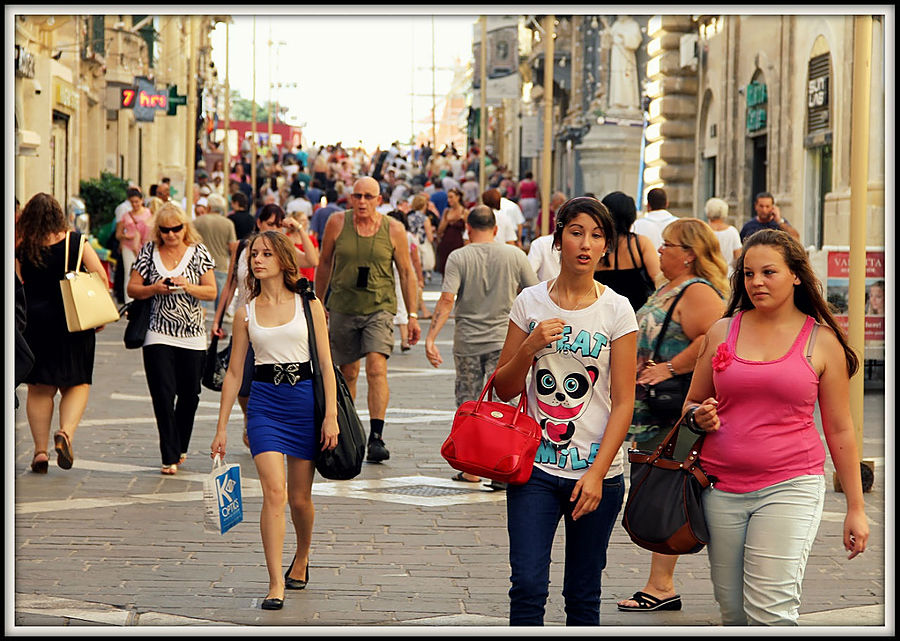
[{"x": 722, "y": 358}]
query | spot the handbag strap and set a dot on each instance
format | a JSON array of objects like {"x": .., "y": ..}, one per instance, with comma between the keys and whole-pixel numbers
[
  {"x": 305, "y": 294},
  {"x": 80, "y": 253},
  {"x": 665, "y": 325}
]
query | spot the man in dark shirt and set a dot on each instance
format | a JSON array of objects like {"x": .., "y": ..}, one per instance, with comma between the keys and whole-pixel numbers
[
  {"x": 320, "y": 217},
  {"x": 240, "y": 217},
  {"x": 767, "y": 217}
]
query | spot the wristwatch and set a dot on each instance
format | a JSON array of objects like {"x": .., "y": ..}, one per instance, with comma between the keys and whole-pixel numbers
[
  {"x": 692, "y": 423},
  {"x": 413, "y": 315}
]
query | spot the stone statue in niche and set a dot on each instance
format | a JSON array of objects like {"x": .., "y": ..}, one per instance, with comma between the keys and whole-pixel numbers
[{"x": 624, "y": 95}]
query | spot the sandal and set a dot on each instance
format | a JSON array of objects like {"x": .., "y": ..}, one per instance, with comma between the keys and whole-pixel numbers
[
  {"x": 182, "y": 458},
  {"x": 63, "y": 446},
  {"x": 649, "y": 603},
  {"x": 459, "y": 477},
  {"x": 40, "y": 467},
  {"x": 169, "y": 470}
]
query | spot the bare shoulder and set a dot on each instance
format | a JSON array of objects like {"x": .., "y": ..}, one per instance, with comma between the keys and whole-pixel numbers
[
  {"x": 701, "y": 294},
  {"x": 718, "y": 332}
]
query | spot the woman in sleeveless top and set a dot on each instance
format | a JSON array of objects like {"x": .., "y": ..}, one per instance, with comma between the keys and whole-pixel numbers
[
  {"x": 269, "y": 218},
  {"x": 634, "y": 264},
  {"x": 280, "y": 410},
  {"x": 63, "y": 360},
  {"x": 753, "y": 394},
  {"x": 691, "y": 262},
  {"x": 451, "y": 228}
]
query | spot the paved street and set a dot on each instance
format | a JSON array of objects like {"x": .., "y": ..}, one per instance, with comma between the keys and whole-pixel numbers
[{"x": 113, "y": 542}]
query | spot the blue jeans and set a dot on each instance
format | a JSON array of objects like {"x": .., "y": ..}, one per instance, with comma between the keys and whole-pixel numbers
[
  {"x": 759, "y": 543},
  {"x": 533, "y": 512}
]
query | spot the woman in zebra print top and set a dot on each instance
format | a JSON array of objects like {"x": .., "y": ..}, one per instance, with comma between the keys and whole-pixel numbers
[{"x": 176, "y": 269}]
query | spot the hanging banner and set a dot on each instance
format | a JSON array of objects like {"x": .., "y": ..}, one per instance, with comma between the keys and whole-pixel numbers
[
  {"x": 503, "y": 79},
  {"x": 838, "y": 292}
]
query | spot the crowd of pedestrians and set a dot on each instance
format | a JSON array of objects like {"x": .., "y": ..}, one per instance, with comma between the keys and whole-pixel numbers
[{"x": 584, "y": 321}]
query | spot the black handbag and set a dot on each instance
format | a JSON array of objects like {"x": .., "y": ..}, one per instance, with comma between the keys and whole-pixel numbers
[
  {"x": 138, "y": 314},
  {"x": 216, "y": 365},
  {"x": 664, "y": 512},
  {"x": 666, "y": 398},
  {"x": 345, "y": 461}
]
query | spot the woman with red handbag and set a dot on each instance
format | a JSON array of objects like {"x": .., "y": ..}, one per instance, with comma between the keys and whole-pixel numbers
[{"x": 578, "y": 340}]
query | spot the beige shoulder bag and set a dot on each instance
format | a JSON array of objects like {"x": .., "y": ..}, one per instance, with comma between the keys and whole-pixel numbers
[{"x": 85, "y": 296}]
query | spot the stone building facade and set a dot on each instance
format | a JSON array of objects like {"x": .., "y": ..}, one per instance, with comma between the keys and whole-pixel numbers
[{"x": 71, "y": 121}]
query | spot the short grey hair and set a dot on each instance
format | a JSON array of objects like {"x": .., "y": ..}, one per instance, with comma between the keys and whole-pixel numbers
[
  {"x": 217, "y": 204},
  {"x": 716, "y": 208}
]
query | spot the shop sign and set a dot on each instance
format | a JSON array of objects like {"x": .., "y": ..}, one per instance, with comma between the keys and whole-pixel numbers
[
  {"x": 839, "y": 286},
  {"x": 66, "y": 95},
  {"x": 145, "y": 99},
  {"x": 817, "y": 93},
  {"x": 174, "y": 100},
  {"x": 757, "y": 97},
  {"x": 24, "y": 62}
]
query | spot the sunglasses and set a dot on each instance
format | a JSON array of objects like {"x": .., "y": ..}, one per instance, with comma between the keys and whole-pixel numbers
[
  {"x": 171, "y": 230},
  {"x": 366, "y": 196}
]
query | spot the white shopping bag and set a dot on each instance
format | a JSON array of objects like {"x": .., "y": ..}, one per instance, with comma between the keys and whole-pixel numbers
[{"x": 223, "y": 507}]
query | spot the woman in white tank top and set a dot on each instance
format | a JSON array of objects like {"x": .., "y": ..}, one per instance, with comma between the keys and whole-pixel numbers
[{"x": 280, "y": 411}]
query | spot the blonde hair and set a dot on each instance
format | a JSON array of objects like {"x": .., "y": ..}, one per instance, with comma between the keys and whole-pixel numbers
[
  {"x": 419, "y": 202},
  {"x": 171, "y": 212},
  {"x": 154, "y": 204},
  {"x": 699, "y": 237}
]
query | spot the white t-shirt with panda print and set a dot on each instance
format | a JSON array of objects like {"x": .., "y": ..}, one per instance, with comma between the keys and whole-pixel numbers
[{"x": 568, "y": 392}]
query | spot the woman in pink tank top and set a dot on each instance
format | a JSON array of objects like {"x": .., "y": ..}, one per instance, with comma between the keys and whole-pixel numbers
[{"x": 756, "y": 383}]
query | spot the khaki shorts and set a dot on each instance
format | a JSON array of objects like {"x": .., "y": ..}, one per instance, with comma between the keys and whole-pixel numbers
[{"x": 353, "y": 336}]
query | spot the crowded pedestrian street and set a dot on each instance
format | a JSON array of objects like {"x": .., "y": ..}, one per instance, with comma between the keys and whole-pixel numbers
[
  {"x": 425, "y": 323},
  {"x": 113, "y": 543}
]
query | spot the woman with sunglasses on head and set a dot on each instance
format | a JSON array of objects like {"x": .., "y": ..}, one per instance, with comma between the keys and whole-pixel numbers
[
  {"x": 270, "y": 217},
  {"x": 760, "y": 372},
  {"x": 692, "y": 265},
  {"x": 176, "y": 270},
  {"x": 280, "y": 411},
  {"x": 577, "y": 339}
]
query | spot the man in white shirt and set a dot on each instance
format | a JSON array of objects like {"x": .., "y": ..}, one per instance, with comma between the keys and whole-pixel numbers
[
  {"x": 506, "y": 224},
  {"x": 544, "y": 257},
  {"x": 298, "y": 201},
  {"x": 514, "y": 212},
  {"x": 656, "y": 219}
]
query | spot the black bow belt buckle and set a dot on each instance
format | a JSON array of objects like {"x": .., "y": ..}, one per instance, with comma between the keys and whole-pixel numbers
[{"x": 278, "y": 373}]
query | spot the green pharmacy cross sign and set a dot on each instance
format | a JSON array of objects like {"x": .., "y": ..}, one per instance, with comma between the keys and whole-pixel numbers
[{"x": 175, "y": 100}]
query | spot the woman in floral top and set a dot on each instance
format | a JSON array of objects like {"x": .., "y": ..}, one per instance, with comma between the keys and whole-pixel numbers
[{"x": 689, "y": 255}]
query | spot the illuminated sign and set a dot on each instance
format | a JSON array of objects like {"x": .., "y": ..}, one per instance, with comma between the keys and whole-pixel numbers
[{"x": 145, "y": 99}]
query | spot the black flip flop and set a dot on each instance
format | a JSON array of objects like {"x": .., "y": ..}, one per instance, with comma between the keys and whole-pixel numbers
[
  {"x": 63, "y": 446},
  {"x": 649, "y": 603},
  {"x": 462, "y": 479}
]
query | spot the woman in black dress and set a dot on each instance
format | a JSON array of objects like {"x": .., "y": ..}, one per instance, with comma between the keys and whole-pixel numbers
[
  {"x": 451, "y": 228},
  {"x": 631, "y": 266},
  {"x": 64, "y": 361}
]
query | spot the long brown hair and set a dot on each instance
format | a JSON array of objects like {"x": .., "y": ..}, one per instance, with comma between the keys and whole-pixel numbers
[
  {"x": 41, "y": 217},
  {"x": 286, "y": 254},
  {"x": 808, "y": 296}
]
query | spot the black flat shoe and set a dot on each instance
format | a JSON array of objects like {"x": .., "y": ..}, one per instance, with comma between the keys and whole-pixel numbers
[
  {"x": 295, "y": 584},
  {"x": 272, "y": 604}
]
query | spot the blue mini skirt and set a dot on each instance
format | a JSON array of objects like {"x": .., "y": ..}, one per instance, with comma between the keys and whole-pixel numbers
[{"x": 280, "y": 418}]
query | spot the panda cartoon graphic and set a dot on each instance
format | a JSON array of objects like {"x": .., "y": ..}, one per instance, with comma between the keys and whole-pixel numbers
[{"x": 564, "y": 387}]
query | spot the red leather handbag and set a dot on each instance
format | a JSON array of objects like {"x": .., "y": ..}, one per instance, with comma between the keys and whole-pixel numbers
[{"x": 493, "y": 439}]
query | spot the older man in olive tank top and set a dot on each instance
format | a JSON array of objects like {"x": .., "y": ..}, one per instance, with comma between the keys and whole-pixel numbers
[{"x": 355, "y": 279}]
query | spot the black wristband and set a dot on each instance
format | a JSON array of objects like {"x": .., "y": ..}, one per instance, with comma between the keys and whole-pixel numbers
[{"x": 691, "y": 423}]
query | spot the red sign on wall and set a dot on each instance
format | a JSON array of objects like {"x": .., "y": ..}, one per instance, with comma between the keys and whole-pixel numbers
[
  {"x": 132, "y": 97},
  {"x": 837, "y": 292}
]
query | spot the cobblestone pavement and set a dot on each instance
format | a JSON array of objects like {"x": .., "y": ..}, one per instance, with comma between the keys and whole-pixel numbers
[{"x": 112, "y": 542}]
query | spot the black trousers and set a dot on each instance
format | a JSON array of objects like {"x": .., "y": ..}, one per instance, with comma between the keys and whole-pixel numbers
[{"x": 173, "y": 377}]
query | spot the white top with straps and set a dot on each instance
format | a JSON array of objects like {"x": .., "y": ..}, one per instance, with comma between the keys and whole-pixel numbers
[{"x": 287, "y": 343}]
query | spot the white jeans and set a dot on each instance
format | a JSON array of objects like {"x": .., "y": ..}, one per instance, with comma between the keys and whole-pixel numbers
[{"x": 759, "y": 543}]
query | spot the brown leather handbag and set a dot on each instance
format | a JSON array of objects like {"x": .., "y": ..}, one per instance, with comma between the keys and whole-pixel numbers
[{"x": 664, "y": 512}]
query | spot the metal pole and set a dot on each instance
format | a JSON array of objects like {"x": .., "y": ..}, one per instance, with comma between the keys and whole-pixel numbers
[
  {"x": 433, "y": 91},
  {"x": 226, "y": 155},
  {"x": 253, "y": 126},
  {"x": 482, "y": 113},
  {"x": 547, "y": 153},
  {"x": 859, "y": 154},
  {"x": 191, "y": 161},
  {"x": 269, "y": 106}
]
